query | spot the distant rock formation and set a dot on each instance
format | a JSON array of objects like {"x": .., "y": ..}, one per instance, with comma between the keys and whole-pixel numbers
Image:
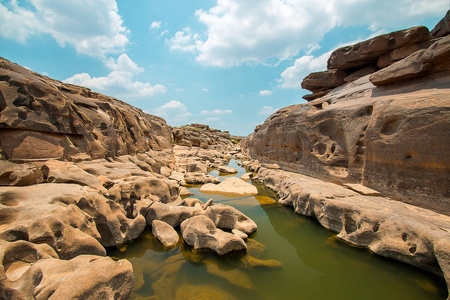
[
  {"x": 199, "y": 135},
  {"x": 42, "y": 118},
  {"x": 388, "y": 130}
]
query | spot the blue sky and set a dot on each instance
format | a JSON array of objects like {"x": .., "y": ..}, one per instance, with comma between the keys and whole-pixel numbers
[{"x": 225, "y": 63}]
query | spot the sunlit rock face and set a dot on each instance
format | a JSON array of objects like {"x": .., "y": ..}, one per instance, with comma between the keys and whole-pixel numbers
[
  {"x": 387, "y": 130},
  {"x": 42, "y": 118}
]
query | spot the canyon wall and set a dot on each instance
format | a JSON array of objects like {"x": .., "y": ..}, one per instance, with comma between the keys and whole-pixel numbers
[
  {"x": 42, "y": 118},
  {"x": 379, "y": 116}
]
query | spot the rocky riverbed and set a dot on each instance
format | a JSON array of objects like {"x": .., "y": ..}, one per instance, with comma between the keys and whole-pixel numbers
[{"x": 81, "y": 173}]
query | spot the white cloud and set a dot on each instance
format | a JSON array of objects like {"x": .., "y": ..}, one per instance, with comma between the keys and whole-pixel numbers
[
  {"x": 183, "y": 41},
  {"x": 164, "y": 32},
  {"x": 155, "y": 24},
  {"x": 205, "y": 90},
  {"x": 119, "y": 82},
  {"x": 262, "y": 31},
  {"x": 92, "y": 27},
  {"x": 216, "y": 112},
  {"x": 265, "y": 93},
  {"x": 211, "y": 120},
  {"x": 267, "y": 110},
  {"x": 179, "y": 89},
  {"x": 293, "y": 76},
  {"x": 175, "y": 112}
]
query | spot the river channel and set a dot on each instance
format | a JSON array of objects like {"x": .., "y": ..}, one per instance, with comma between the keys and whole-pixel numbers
[{"x": 315, "y": 264}]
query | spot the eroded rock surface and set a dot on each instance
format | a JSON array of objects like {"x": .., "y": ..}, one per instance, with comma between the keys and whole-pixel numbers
[
  {"x": 389, "y": 228},
  {"x": 199, "y": 135},
  {"x": 42, "y": 118},
  {"x": 201, "y": 233}
]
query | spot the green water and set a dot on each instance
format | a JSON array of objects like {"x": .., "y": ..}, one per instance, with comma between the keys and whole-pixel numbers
[{"x": 315, "y": 265}]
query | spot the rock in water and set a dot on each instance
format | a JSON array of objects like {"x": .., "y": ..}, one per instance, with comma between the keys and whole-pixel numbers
[
  {"x": 232, "y": 187},
  {"x": 201, "y": 233},
  {"x": 165, "y": 233}
]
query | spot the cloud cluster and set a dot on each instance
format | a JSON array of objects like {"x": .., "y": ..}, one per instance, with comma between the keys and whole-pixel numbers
[
  {"x": 292, "y": 77},
  {"x": 265, "y": 93},
  {"x": 92, "y": 27},
  {"x": 260, "y": 31},
  {"x": 175, "y": 112},
  {"x": 119, "y": 82},
  {"x": 216, "y": 112}
]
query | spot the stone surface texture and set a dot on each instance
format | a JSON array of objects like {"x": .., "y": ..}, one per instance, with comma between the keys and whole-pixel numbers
[
  {"x": 231, "y": 186},
  {"x": 394, "y": 139},
  {"x": 199, "y": 135},
  {"x": 393, "y": 229},
  {"x": 201, "y": 233},
  {"x": 42, "y": 118}
]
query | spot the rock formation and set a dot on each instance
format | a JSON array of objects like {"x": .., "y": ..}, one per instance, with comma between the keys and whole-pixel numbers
[
  {"x": 379, "y": 118},
  {"x": 42, "y": 118},
  {"x": 387, "y": 130},
  {"x": 199, "y": 135}
]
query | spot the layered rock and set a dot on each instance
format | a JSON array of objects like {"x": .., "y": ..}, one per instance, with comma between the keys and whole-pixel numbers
[
  {"x": 349, "y": 63},
  {"x": 392, "y": 138},
  {"x": 42, "y": 118},
  {"x": 199, "y": 135}
]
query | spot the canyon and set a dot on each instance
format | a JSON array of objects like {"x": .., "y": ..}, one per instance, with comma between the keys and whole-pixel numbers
[{"x": 366, "y": 156}]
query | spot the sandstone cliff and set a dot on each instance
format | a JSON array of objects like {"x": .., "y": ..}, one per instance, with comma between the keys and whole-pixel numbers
[
  {"x": 387, "y": 129},
  {"x": 42, "y": 118}
]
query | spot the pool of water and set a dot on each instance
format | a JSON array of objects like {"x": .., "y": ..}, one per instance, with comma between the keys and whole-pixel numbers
[{"x": 314, "y": 264}]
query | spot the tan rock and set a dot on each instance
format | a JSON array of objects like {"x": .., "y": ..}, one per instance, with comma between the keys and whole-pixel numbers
[
  {"x": 247, "y": 176},
  {"x": 67, "y": 172},
  {"x": 165, "y": 233},
  {"x": 322, "y": 81},
  {"x": 228, "y": 170},
  {"x": 85, "y": 276},
  {"x": 18, "y": 174},
  {"x": 47, "y": 119},
  {"x": 367, "y": 52},
  {"x": 201, "y": 233},
  {"x": 431, "y": 60},
  {"x": 228, "y": 217},
  {"x": 231, "y": 186},
  {"x": 173, "y": 215},
  {"x": 200, "y": 178}
]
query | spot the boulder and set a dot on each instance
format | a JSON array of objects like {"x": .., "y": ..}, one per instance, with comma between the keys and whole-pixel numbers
[
  {"x": 321, "y": 81},
  {"x": 229, "y": 218},
  {"x": 201, "y": 233},
  {"x": 228, "y": 170},
  {"x": 367, "y": 52},
  {"x": 200, "y": 178},
  {"x": 196, "y": 168},
  {"x": 31, "y": 271},
  {"x": 172, "y": 215},
  {"x": 18, "y": 174},
  {"x": 231, "y": 187},
  {"x": 423, "y": 62},
  {"x": 67, "y": 172},
  {"x": 70, "y": 218},
  {"x": 164, "y": 233},
  {"x": 247, "y": 176},
  {"x": 400, "y": 53}
]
